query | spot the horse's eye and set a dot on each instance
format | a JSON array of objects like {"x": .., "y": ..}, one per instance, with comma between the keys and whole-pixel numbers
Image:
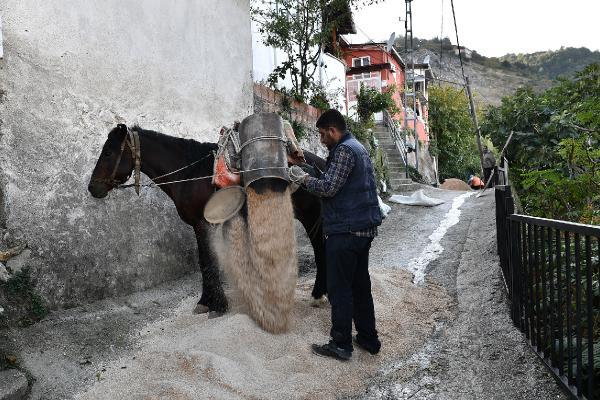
[{"x": 106, "y": 153}]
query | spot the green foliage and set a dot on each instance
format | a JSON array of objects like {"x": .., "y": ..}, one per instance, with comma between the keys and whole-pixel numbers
[
  {"x": 363, "y": 132},
  {"x": 286, "y": 112},
  {"x": 453, "y": 134},
  {"x": 319, "y": 100},
  {"x": 299, "y": 130},
  {"x": 19, "y": 289},
  {"x": 563, "y": 62},
  {"x": 554, "y": 155},
  {"x": 371, "y": 101},
  {"x": 416, "y": 175},
  {"x": 300, "y": 28},
  {"x": 360, "y": 130}
]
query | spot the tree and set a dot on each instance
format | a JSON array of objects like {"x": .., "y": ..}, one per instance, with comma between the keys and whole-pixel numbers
[
  {"x": 453, "y": 134},
  {"x": 371, "y": 101},
  {"x": 297, "y": 28},
  {"x": 554, "y": 156},
  {"x": 300, "y": 28}
]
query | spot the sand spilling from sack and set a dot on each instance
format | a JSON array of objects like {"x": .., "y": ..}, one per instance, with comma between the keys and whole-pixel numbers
[
  {"x": 259, "y": 257},
  {"x": 230, "y": 357}
]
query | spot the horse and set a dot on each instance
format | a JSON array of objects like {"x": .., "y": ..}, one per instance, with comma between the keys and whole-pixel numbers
[{"x": 181, "y": 162}]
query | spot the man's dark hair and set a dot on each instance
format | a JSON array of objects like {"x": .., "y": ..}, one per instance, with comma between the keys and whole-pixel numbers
[{"x": 332, "y": 119}]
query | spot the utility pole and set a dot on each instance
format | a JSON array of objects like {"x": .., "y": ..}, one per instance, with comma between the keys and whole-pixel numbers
[
  {"x": 409, "y": 82},
  {"x": 474, "y": 117}
]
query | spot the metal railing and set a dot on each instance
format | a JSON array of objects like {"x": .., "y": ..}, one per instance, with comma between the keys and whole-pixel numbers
[
  {"x": 396, "y": 137},
  {"x": 552, "y": 273}
]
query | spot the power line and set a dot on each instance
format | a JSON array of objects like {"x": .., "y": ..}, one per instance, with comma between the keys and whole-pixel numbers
[
  {"x": 457, "y": 41},
  {"x": 441, "y": 38},
  {"x": 446, "y": 81}
]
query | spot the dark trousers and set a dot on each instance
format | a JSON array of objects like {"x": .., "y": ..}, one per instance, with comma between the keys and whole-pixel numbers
[
  {"x": 487, "y": 173},
  {"x": 349, "y": 288}
]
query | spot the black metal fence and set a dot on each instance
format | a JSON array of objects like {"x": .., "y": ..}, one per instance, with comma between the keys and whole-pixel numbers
[{"x": 552, "y": 272}]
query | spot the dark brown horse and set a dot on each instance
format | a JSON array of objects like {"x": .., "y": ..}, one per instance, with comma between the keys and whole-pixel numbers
[{"x": 160, "y": 154}]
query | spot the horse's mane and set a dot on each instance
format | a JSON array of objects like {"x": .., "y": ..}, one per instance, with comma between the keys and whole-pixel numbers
[{"x": 193, "y": 150}]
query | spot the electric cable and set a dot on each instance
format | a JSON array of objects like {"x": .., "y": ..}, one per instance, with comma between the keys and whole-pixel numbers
[
  {"x": 457, "y": 41},
  {"x": 441, "y": 38}
]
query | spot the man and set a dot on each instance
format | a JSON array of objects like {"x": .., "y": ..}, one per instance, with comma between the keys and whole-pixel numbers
[
  {"x": 489, "y": 163},
  {"x": 351, "y": 215}
]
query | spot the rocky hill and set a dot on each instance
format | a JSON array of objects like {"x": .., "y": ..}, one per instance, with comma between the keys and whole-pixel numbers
[
  {"x": 493, "y": 78},
  {"x": 563, "y": 62}
]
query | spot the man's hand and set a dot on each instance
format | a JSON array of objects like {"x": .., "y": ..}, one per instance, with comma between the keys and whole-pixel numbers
[{"x": 297, "y": 174}]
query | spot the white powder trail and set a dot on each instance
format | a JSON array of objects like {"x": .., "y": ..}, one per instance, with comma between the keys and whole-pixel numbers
[{"x": 433, "y": 249}]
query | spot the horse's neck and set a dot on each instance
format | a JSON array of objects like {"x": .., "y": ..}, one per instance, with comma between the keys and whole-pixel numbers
[{"x": 160, "y": 156}]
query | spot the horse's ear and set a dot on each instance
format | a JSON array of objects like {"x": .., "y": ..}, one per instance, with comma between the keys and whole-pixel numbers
[{"x": 122, "y": 127}]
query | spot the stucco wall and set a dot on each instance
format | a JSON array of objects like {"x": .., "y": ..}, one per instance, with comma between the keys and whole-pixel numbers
[{"x": 72, "y": 69}]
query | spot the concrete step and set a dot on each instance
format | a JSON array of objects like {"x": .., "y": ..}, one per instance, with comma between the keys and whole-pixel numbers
[
  {"x": 400, "y": 185},
  {"x": 394, "y": 159},
  {"x": 397, "y": 164},
  {"x": 401, "y": 181},
  {"x": 397, "y": 172},
  {"x": 389, "y": 148}
]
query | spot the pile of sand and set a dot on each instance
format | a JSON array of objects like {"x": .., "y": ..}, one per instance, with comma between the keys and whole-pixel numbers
[
  {"x": 455, "y": 184},
  {"x": 192, "y": 357}
]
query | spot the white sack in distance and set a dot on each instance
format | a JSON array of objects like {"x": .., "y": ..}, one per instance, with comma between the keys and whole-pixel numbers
[{"x": 418, "y": 198}]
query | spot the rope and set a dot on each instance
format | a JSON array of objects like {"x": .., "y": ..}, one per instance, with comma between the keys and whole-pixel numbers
[
  {"x": 182, "y": 168},
  {"x": 197, "y": 178},
  {"x": 263, "y": 138}
]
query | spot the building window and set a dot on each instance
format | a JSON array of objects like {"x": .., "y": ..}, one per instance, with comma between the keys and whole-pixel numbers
[
  {"x": 364, "y": 75},
  {"x": 361, "y": 61},
  {"x": 353, "y": 86}
]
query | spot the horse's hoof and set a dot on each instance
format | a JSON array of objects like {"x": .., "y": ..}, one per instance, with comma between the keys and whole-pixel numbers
[
  {"x": 215, "y": 314},
  {"x": 320, "y": 302},
  {"x": 201, "y": 309}
]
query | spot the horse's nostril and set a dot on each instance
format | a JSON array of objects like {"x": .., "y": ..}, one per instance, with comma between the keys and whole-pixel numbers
[{"x": 96, "y": 191}]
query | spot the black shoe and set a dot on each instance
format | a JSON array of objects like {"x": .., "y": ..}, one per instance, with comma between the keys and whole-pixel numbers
[
  {"x": 332, "y": 350},
  {"x": 371, "y": 348}
]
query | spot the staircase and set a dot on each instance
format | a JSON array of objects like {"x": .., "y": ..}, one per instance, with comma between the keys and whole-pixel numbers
[{"x": 395, "y": 164}]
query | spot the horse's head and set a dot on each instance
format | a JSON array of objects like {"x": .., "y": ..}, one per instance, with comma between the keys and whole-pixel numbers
[{"x": 115, "y": 164}]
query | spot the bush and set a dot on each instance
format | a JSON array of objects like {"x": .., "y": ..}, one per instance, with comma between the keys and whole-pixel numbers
[{"x": 23, "y": 303}]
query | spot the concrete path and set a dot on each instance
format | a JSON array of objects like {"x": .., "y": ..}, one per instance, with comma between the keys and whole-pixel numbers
[{"x": 449, "y": 338}]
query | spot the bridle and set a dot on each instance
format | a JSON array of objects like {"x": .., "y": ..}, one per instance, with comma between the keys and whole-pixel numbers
[{"x": 132, "y": 140}]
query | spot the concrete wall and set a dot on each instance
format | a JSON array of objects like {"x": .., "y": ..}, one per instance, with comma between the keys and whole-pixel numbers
[{"x": 72, "y": 69}]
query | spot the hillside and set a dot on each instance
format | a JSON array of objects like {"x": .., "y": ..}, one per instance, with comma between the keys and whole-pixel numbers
[
  {"x": 493, "y": 78},
  {"x": 563, "y": 62}
]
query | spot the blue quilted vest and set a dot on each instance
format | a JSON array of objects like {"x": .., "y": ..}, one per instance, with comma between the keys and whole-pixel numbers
[{"x": 355, "y": 206}]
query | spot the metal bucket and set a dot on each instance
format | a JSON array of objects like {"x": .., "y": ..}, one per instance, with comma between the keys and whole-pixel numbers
[
  {"x": 224, "y": 204},
  {"x": 263, "y": 148}
]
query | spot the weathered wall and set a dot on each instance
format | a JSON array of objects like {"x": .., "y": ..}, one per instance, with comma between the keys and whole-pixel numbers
[
  {"x": 72, "y": 69},
  {"x": 268, "y": 100}
]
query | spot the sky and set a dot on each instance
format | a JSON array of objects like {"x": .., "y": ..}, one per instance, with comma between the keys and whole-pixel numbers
[{"x": 492, "y": 28}]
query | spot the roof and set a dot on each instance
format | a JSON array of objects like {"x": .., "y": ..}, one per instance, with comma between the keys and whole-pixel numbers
[
  {"x": 380, "y": 45},
  {"x": 368, "y": 68}
]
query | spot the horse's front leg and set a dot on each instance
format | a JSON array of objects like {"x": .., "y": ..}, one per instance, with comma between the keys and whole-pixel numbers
[
  {"x": 318, "y": 244},
  {"x": 213, "y": 297},
  {"x": 311, "y": 221}
]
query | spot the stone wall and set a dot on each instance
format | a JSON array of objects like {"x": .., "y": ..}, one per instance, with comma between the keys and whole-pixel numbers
[
  {"x": 268, "y": 100},
  {"x": 71, "y": 71}
]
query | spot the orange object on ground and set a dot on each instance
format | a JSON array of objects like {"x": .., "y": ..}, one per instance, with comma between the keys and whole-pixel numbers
[
  {"x": 223, "y": 176},
  {"x": 476, "y": 183}
]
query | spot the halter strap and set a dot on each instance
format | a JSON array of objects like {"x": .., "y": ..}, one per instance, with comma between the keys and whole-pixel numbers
[{"x": 132, "y": 139}]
